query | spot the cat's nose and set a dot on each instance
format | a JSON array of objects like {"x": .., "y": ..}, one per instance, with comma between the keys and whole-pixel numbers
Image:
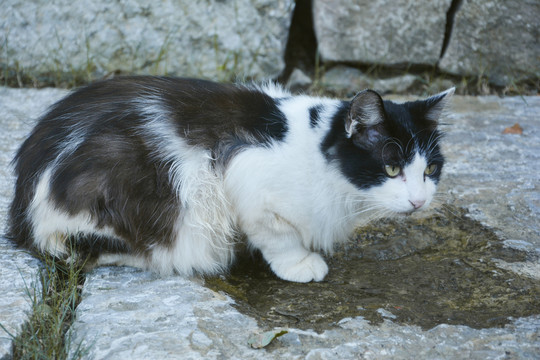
[{"x": 417, "y": 204}]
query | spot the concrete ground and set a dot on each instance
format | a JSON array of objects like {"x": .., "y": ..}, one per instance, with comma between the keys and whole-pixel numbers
[{"x": 127, "y": 313}]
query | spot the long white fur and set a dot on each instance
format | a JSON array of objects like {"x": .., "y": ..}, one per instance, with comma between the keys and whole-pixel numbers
[
  {"x": 204, "y": 230},
  {"x": 287, "y": 198}
]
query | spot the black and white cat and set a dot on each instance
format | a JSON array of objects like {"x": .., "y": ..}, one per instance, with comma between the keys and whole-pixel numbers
[{"x": 165, "y": 173}]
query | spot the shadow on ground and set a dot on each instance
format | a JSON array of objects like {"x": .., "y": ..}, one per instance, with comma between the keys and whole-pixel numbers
[{"x": 424, "y": 272}]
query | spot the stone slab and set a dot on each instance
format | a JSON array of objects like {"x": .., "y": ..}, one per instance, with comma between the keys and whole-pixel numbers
[
  {"x": 496, "y": 39},
  {"x": 491, "y": 173},
  {"x": 132, "y": 314},
  {"x": 212, "y": 39},
  {"x": 380, "y": 32},
  {"x": 18, "y": 270}
]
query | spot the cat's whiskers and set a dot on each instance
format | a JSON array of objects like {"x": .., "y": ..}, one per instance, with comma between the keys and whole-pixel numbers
[
  {"x": 439, "y": 196},
  {"x": 380, "y": 214},
  {"x": 433, "y": 141},
  {"x": 354, "y": 200},
  {"x": 373, "y": 212}
]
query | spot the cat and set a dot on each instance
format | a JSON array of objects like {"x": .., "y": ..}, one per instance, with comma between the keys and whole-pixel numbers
[{"x": 168, "y": 173}]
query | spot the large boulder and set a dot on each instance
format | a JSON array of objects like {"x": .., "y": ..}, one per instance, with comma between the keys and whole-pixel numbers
[
  {"x": 380, "y": 31},
  {"x": 212, "y": 39},
  {"x": 497, "y": 39}
]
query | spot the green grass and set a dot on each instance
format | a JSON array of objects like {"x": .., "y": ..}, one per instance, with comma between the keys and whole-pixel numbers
[{"x": 45, "y": 335}]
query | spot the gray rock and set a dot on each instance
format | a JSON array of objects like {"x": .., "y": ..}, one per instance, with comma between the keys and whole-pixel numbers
[
  {"x": 212, "y": 39},
  {"x": 489, "y": 172},
  {"x": 298, "y": 80},
  {"x": 132, "y": 314},
  {"x": 380, "y": 32},
  {"x": 347, "y": 81},
  {"x": 497, "y": 39},
  {"x": 397, "y": 84},
  {"x": 19, "y": 281}
]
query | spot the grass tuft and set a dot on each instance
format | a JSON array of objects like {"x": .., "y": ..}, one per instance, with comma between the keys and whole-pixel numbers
[{"x": 43, "y": 336}]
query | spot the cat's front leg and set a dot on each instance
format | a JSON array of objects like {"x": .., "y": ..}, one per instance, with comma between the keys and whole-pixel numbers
[{"x": 281, "y": 246}]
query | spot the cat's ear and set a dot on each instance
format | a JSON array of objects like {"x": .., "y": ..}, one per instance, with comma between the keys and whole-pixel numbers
[
  {"x": 365, "y": 118},
  {"x": 436, "y": 104},
  {"x": 366, "y": 111}
]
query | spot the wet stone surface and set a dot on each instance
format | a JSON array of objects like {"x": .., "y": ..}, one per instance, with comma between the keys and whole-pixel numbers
[{"x": 421, "y": 272}]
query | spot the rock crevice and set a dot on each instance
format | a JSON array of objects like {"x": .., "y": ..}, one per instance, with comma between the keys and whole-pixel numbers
[{"x": 450, "y": 15}]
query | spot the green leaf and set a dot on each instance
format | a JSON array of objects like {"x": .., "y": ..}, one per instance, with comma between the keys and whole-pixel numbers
[{"x": 258, "y": 341}]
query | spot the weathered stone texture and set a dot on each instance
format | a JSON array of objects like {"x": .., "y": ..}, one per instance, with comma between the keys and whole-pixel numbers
[
  {"x": 347, "y": 81},
  {"x": 498, "y": 39},
  {"x": 18, "y": 270},
  {"x": 489, "y": 172},
  {"x": 213, "y": 39},
  {"x": 382, "y": 31},
  {"x": 134, "y": 314},
  {"x": 246, "y": 39}
]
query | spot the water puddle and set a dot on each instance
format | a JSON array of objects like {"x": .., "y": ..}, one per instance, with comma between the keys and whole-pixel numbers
[{"x": 415, "y": 271}]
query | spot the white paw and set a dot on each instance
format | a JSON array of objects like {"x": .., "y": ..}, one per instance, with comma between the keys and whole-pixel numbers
[{"x": 306, "y": 269}]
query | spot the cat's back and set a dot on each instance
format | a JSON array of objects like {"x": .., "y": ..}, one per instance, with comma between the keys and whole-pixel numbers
[
  {"x": 191, "y": 102},
  {"x": 200, "y": 112}
]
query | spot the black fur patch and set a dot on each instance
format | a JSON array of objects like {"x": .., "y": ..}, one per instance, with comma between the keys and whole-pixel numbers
[
  {"x": 315, "y": 115},
  {"x": 208, "y": 112},
  {"x": 405, "y": 131}
]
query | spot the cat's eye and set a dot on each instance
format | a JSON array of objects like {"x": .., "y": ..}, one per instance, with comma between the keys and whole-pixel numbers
[
  {"x": 430, "y": 169},
  {"x": 392, "y": 170}
]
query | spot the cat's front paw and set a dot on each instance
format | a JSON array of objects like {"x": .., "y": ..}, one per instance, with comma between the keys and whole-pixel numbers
[{"x": 311, "y": 267}]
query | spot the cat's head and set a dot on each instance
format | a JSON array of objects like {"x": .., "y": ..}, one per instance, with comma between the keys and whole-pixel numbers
[{"x": 391, "y": 151}]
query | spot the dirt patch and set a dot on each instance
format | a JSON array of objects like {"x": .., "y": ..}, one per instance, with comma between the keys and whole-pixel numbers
[{"x": 424, "y": 272}]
